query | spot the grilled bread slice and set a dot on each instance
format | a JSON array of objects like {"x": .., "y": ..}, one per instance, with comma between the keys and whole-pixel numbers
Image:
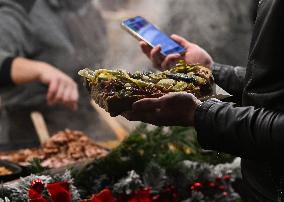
[{"x": 117, "y": 90}]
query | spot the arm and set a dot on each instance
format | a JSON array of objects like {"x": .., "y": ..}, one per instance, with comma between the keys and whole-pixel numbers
[
  {"x": 15, "y": 69},
  {"x": 61, "y": 88},
  {"x": 243, "y": 131},
  {"x": 230, "y": 78}
]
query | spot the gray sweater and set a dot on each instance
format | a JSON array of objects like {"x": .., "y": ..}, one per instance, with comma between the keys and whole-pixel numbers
[{"x": 68, "y": 34}]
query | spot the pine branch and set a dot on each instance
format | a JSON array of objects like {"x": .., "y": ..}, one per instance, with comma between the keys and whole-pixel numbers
[{"x": 164, "y": 146}]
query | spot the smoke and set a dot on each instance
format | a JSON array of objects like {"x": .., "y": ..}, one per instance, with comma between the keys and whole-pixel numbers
[
  {"x": 222, "y": 27},
  {"x": 123, "y": 50}
]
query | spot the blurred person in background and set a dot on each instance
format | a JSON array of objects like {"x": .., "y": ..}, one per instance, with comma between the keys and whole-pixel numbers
[
  {"x": 57, "y": 37},
  {"x": 252, "y": 130},
  {"x": 16, "y": 71}
]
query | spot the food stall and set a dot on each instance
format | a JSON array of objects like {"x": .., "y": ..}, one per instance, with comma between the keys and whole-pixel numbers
[{"x": 143, "y": 164}]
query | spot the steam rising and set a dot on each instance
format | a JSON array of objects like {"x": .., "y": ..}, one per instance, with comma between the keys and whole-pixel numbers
[{"x": 222, "y": 27}]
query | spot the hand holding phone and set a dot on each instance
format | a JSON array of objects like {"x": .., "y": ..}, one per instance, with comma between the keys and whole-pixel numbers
[
  {"x": 159, "y": 61},
  {"x": 141, "y": 29}
]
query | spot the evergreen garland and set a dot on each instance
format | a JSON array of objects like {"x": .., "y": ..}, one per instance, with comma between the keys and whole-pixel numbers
[
  {"x": 19, "y": 193},
  {"x": 166, "y": 161},
  {"x": 8, "y": 194},
  {"x": 165, "y": 146}
]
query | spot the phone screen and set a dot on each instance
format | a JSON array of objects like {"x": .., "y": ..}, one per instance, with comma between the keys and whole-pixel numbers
[{"x": 152, "y": 35}]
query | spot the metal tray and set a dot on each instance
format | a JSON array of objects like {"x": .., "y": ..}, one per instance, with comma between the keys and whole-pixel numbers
[{"x": 16, "y": 171}]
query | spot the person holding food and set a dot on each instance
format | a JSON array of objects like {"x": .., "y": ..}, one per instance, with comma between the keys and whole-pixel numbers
[
  {"x": 252, "y": 130},
  {"x": 46, "y": 42}
]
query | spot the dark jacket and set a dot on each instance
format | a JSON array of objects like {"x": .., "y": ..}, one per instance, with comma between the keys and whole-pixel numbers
[{"x": 255, "y": 130}]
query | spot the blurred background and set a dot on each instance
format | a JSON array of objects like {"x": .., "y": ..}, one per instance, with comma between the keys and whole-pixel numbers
[
  {"x": 74, "y": 34},
  {"x": 222, "y": 27}
]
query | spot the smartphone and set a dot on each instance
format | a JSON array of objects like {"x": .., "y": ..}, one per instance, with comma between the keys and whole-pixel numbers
[{"x": 141, "y": 29}]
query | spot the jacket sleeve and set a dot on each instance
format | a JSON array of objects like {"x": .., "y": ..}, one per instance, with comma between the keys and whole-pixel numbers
[
  {"x": 229, "y": 78},
  {"x": 5, "y": 72},
  {"x": 14, "y": 34},
  {"x": 247, "y": 132}
]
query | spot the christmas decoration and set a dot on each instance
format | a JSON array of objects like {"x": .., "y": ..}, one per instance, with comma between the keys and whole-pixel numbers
[
  {"x": 37, "y": 185},
  {"x": 5, "y": 200},
  {"x": 7, "y": 194},
  {"x": 134, "y": 188},
  {"x": 157, "y": 165},
  {"x": 42, "y": 188},
  {"x": 104, "y": 196},
  {"x": 59, "y": 192}
]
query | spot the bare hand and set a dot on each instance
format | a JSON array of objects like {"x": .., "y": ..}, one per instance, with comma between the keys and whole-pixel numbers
[
  {"x": 173, "y": 109},
  {"x": 61, "y": 88},
  {"x": 193, "y": 54}
]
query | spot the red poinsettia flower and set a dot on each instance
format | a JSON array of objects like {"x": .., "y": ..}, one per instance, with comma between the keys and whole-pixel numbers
[
  {"x": 143, "y": 195},
  {"x": 104, "y": 196},
  {"x": 34, "y": 196},
  {"x": 59, "y": 192}
]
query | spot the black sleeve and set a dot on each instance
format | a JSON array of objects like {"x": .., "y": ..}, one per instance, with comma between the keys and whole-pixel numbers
[
  {"x": 247, "y": 132},
  {"x": 229, "y": 78},
  {"x": 5, "y": 72}
]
